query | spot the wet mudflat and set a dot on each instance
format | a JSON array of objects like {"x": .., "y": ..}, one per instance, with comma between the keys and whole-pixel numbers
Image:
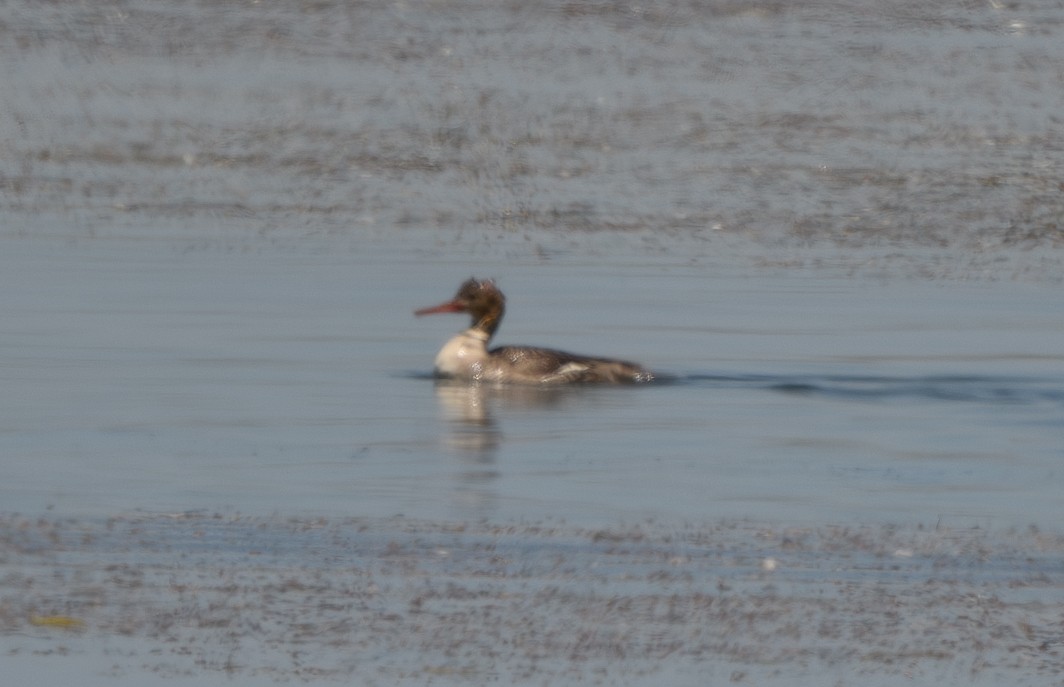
[
  {"x": 913, "y": 128},
  {"x": 201, "y": 597}
]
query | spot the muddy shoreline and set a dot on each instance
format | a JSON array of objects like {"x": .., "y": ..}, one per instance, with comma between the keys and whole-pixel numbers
[
  {"x": 402, "y": 601},
  {"x": 918, "y": 139}
]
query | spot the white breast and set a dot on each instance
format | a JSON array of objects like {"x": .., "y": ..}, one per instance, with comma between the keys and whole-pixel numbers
[{"x": 464, "y": 356}]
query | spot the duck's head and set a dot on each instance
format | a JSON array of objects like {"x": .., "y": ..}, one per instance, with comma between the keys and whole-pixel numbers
[{"x": 480, "y": 298}]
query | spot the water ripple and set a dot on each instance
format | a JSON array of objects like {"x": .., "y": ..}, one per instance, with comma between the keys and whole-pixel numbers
[{"x": 957, "y": 388}]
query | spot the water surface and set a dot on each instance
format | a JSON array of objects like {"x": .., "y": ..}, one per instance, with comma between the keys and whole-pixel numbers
[
  {"x": 143, "y": 377},
  {"x": 834, "y": 226}
]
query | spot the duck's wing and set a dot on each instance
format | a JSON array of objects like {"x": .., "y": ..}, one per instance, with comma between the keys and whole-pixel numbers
[{"x": 549, "y": 366}]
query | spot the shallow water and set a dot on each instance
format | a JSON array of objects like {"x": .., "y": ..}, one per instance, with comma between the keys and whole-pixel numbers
[
  {"x": 834, "y": 228},
  {"x": 140, "y": 377}
]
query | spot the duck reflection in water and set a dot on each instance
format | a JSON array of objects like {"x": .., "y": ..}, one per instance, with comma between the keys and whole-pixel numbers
[{"x": 472, "y": 429}]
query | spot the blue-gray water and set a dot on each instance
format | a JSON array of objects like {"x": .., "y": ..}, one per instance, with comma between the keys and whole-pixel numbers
[
  {"x": 139, "y": 376},
  {"x": 835, "y": 226}
]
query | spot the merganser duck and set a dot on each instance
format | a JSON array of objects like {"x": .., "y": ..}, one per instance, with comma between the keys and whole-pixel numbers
[{"x": 466, "y": 356}]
